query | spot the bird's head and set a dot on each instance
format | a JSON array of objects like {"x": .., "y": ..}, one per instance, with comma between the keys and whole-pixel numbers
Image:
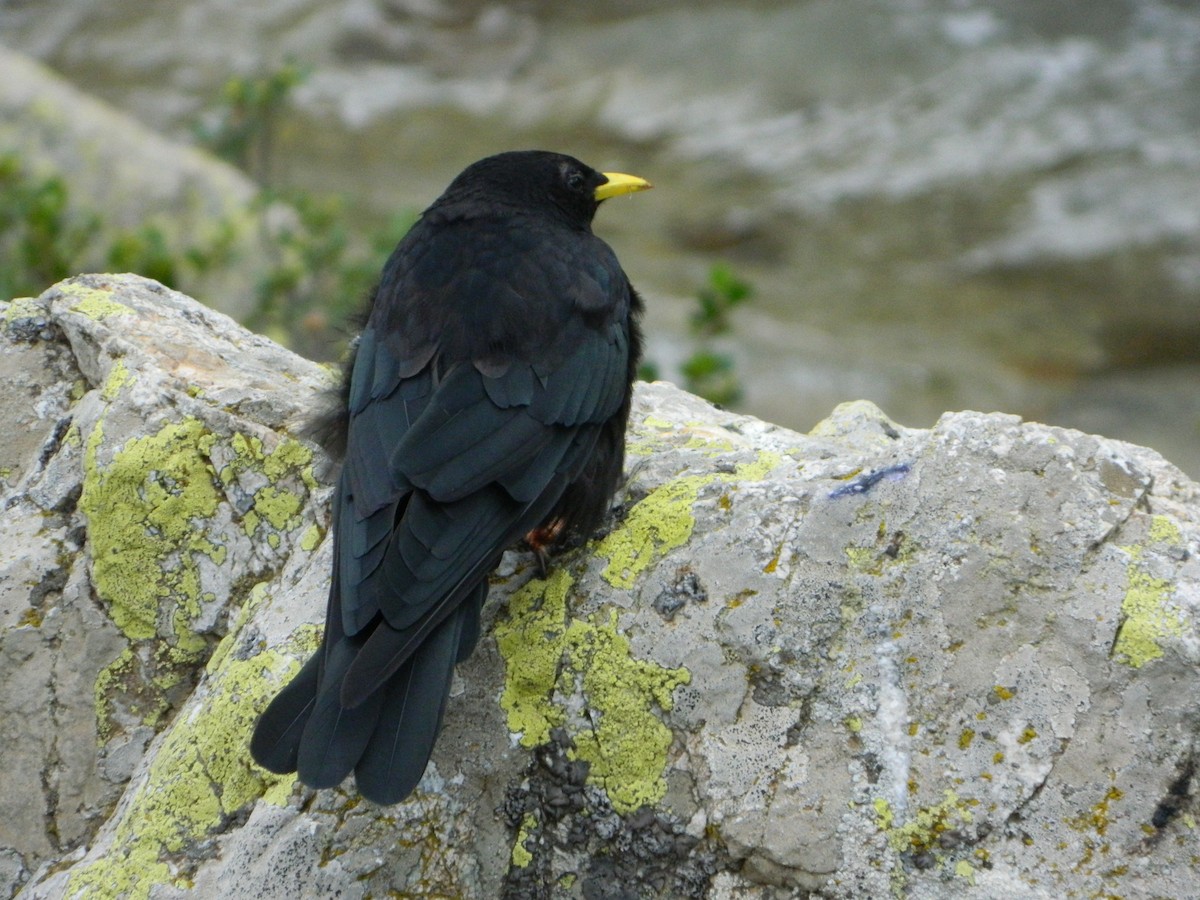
[{"x": 540, "y": 181}]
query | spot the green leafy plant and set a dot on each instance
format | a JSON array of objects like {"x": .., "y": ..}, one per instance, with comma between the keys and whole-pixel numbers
[
  {"x": 717, "y": 300},
  {"x": 144, "y": 251},
  {"x": 708, "y": 372},
  {"x": 241, "y": 127},
  {"x": 41, "y": 238},
  {"x": 45, "y": 237},
  {"x": 712, "y": 376}
]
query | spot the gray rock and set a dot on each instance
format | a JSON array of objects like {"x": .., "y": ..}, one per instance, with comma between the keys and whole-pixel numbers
[
  {"x": 869, "y": 661},
  {"x": 140, "y": 510}
]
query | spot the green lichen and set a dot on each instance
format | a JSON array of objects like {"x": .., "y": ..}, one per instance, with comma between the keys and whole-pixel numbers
[
  {"x": 274, "y": 504},
  {"x": 1165, "y": 531},
  {"x": 663, "y": 520},
  {"x": 531, "y": 643},
  {"x": 250, "y": 522},
  {"x": 653, "y": 421},
  {"x": 887, "y": 550},
  {"x": 23, "y": 308},
  {"x": 1148, "y": 618},
  {"x": 884, "y": 817},
  {"x": 200, "y": 778},
  {"x": 311, "y": 538},
  {"x": 105, "y": 691},
  {"x": 627, "y": 744},
  {"x": 864, "y": 560},
  {"x": 288, "y": 456},
  {"x": 136, "y": 687},
  {"x": 94, "y": 303},
  {"x": 118, "y": 377},
  {"x": 1098, "y": 816},
  {"x": 142, "y": 509},
  {"x": 921, "y": 832},
  {"x": 708, "y": 445},
  {"x": 521, "y": 857},
  {"x": 254, "y": 599},
  {"x": 145, "y": 512},
  {"x": 280, "y": 508},
  {"x": 623, "y": 741}
]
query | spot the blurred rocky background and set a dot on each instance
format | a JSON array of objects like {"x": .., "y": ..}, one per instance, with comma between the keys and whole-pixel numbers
[{"x": 930, "y": 204}]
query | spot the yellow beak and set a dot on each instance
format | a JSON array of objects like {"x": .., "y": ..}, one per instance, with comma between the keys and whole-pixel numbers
[{"x": 619, "y": 183}]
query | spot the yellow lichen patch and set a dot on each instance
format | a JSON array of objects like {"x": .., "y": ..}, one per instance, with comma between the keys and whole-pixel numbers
[
  {"x": 277, "y": 505},
  {"x": 521, "y": 857},
  {"x": 1164, "y": 531},
  {"x": 623, "y": 741},
  {"x": 663, "y": 520},
  {"x": 147, "y": 512},
  {"x": 142, "y": 509},
  {"x": 311, "y": 538},
  {"x": 773, "y": 564},
  {"x": 94, "y": 303},
  {"x": 118, "y": 377},
  {"x": 1148, "y": 618},
  {"x": 1097, "y": 817},
  {"x": 104, "y": 692},
  {"x": 884, "y": 817},
  {"x": 627, "y": 744},
  {"x": 23, "y": 308},
  {"x": 531, "y": 641},
  {"x": 920, "y": 833},
  {"x": 884, "y": 553},
  {"x": 201, "y": 776},
  {"x": 653, "y": 421}
]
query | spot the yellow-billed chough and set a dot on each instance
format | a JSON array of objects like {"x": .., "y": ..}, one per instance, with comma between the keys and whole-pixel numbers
[{"x": 486, "y": 402}]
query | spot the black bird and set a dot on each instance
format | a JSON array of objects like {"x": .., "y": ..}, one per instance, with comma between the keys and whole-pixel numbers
[{"x": 486, "y": 402}]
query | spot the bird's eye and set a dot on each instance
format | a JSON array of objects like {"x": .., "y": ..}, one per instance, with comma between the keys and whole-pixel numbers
[{"x": 575, "y": 181}]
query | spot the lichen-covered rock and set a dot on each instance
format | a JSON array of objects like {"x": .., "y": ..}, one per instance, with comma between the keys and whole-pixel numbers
[
  {"x": 148, "y": 487},
  {"x": 869, "y": 661}
]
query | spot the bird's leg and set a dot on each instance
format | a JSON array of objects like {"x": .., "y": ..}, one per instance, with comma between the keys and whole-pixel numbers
[{"x": 542, "y": 538}]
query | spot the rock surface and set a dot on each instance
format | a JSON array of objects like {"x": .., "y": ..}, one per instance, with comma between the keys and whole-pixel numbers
[{"x": 868, "y": 661}]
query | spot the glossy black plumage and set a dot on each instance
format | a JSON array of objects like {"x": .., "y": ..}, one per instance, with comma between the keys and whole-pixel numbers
[{"x": 487, "y": 401}]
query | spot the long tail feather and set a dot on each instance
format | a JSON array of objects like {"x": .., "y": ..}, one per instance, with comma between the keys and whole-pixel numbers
[
  {"x": 275, "y": 744},
  {"x": 411, "y": 716}
]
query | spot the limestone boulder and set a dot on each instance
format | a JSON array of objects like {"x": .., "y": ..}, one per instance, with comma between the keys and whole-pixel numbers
[{"x": 868, "y": 661}]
